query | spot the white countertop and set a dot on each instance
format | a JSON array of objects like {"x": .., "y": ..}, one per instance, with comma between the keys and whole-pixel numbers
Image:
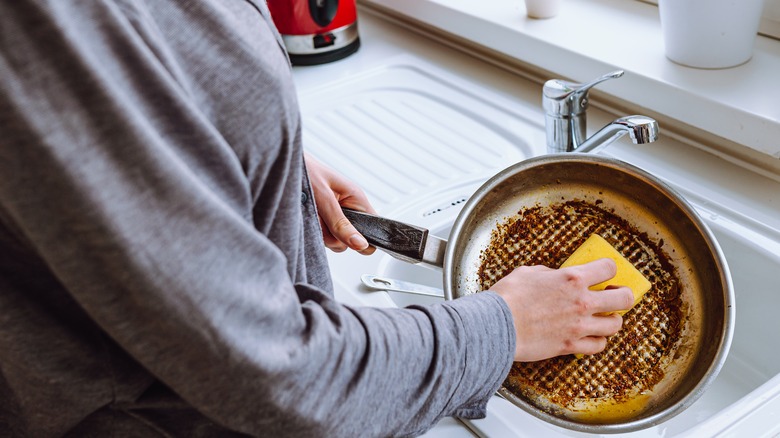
[
  {"x": 591, "y": 37},
  {"x": 747, "y": 199},
  {"x": 749, "y": 192}
]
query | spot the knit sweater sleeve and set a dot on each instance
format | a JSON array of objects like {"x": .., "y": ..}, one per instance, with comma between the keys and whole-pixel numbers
[{"x": 134, "y": 201}]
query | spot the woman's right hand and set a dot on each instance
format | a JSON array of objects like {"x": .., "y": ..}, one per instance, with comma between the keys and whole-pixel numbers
[{"x": 555, "y": 313}]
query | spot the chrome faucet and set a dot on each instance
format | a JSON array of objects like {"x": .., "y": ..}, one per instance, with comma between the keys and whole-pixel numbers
[{"x": 565, "y": 104}]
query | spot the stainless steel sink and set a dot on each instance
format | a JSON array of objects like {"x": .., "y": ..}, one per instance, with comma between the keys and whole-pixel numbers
[{"x": 420, "y": 140}]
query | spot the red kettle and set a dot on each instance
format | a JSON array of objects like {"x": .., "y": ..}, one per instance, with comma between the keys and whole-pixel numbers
[{"x": 316, "y": 31}]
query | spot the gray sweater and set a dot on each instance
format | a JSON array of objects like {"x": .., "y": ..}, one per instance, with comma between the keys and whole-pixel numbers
[{"x": 161, "y": 265}]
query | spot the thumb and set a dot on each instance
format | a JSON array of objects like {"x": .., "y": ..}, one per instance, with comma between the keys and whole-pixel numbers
[{"x": 341, "y": 228}]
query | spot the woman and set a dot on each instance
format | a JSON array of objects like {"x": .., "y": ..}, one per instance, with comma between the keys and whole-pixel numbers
[{"x": 162, "y": 267}]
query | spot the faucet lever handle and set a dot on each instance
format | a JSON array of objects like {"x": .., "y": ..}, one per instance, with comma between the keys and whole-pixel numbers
[
  {"x": 565, "y": 98},
  {"x": 612, "y": 75}
]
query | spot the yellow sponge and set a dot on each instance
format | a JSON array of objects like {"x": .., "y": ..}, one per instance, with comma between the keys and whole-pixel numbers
[{"x": 627, "y": 275}]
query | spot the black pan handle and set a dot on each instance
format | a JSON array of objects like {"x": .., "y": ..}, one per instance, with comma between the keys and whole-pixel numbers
[{"x": 402, "y": 240}]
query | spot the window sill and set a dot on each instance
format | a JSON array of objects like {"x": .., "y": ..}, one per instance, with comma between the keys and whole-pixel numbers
[{"x": 588, "y": 38}]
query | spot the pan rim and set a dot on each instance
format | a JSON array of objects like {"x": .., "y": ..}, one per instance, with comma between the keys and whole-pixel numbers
[{"x": 726, "y": 334}]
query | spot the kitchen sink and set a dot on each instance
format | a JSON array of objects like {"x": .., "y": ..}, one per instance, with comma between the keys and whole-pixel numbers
[{"x": 420, "y": 141}]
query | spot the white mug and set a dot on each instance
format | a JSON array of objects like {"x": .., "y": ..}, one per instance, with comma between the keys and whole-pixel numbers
[{"x": 710, "y": 33}]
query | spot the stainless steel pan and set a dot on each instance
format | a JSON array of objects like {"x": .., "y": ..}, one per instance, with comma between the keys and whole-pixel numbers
[{"x": 654, "y": 213}]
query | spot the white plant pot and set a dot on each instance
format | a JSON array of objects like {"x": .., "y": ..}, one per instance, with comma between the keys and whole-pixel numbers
[{"x": 710, "y": 33}]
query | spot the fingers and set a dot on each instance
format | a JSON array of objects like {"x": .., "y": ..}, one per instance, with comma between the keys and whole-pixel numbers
[
  {"x": 331, "y": 242},
  {"x": 613, "y": 299},
  {"x": 590, "y": 335},
  {"x": 338, "y": 232},
  {"x": 603, "y": 325},
  {"x": 593, "y": 272},
  {"x": 340, "y": 228},
  {"x": 331, "y": 192},
  {"x": 592, "y": 338},
  {"x": 588, "y": 345}
]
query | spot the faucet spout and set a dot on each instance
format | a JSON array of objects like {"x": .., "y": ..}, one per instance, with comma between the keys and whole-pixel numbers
[{"x": 641, "y": 129}]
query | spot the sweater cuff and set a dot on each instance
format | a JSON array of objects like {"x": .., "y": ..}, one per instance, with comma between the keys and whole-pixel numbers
[{"x": 489, "y": 332}]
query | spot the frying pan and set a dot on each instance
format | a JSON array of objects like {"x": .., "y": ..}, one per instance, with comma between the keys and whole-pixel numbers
[{"x": 654, "y": 212}]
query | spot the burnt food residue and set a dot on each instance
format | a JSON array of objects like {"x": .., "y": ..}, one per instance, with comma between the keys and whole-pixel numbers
[{"x": 633, "y": 361}]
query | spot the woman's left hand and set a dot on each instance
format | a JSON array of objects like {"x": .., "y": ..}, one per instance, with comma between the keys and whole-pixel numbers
[{"x": 331, "y": 192}]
